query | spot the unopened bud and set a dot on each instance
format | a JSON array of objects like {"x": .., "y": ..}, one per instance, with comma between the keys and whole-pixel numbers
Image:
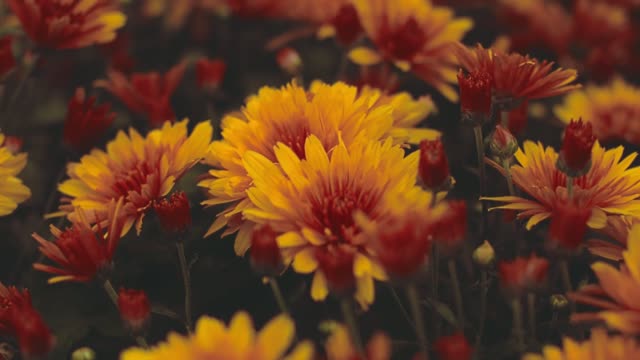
[
  {"x": 503, "y": 144},
  {"x": 83, "y": 353},
  {"x": 558, "y": 302},
  {"x": 484, "y": 254},
  {"x": 575, "y": 153},
  {"x": 289, "y": 60}
]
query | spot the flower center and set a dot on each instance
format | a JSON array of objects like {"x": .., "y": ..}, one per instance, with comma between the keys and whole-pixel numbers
[
  {"x": 293, "y": 136},
  {"x": 132, "y": 179},
  {"x": 404, "y": 42}
]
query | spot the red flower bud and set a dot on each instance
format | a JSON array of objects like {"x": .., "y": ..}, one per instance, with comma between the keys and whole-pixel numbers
[
  {"x": 475, "y": 92},
  {"x": 403, "y": 246},
  {"x": 523, "y": 273},
  {"x": 454, "y": 347},
  {"x": 569, "y": 225},
  {"x": 209, "y": 73},
  {"x": 347, "y": 25},
  {"x": 336, "y": 264},
  {"x": 265, "y": 253},
  {"x": 451, "y": 229},
  {"x": 13, "y": 144},
  {"x": 575, "y": 153},
  {"x": 134, "y": 307},
  {"x": 85, "y": 122},
  {"x": 174, "y": 212},
  {"x": 433, "y": 165},
  {"x": 517, "y": 119},
  {"x": 7, "y": 60},
  {"x": 503, "y": 144},
  {"x": 289, "y": 60}
]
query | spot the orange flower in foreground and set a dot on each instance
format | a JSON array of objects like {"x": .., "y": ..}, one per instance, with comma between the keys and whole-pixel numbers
[
  {"x": 139, "y": 170},
  {"x": 339, "y": 346},
  {"x": 80, "y": 251},
  {"x": 147, "y": 94},
  {"x": 610, "y": 187},
  {"x": 617, "y": 229},
  {"x": 415, "y": 35},
  {"x": 618, "y": 290},
  {"x": 600, "y": 346},
  {"x": 515, "y": 76},
  {"x": 62, "y": 24}
]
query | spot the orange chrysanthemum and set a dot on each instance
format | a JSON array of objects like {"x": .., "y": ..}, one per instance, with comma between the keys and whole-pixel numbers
[
  {"x": 415, "y": 35},
  {"x": 617, "y": 229},
  {"x": 289, "y": 115},
  {"x": 62, "y": 24},
  {"x": 516, "y": 76},
  {"x": 618, "y": 290},
  {"x": 599, "y": 346},
  {"x": 611, "y": 187},
  {"x": 138, "y": 169},
  {"x": 340, "y": 347}
]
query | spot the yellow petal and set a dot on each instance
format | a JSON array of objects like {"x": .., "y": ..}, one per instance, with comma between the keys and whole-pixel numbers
[
  {"x": 305, "y": 261},
  {"x": 319, "y": 289},
  {"x": 275, "y": 337},
  {"x": 364, "y": 56}
]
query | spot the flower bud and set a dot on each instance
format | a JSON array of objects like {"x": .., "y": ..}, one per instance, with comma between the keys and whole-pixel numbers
[
  {"x": 451, "y": 229},
  {"x": 83, "y": 353},
  {"x": 523, "y": 273},
  {"x": 135, "y": 309},
  {"x": 86, "y": 122},
  {"x": 484, "y": 254},
  {"x": 336, "y": 264},
  {"x": 347, "y": 24},
  {"x": 575, "y": 153},
  {"x": 289, "y": 60},
  {"x": 265, "y": 254},
  {"x": 433, "y": 165},
  {"x": 209, "y": 73},
  {"x": 503, "y": 144},
  {"x": 558, "y": 301},
  {"x": 454, "y": 347},
  {"x": 475, "y": 95},
  {"x": 7, "y": 60},
  {"x": 13, "y": 144},
  {"x": 174, "y": 213},
  {"x": 568, "y": 225}
]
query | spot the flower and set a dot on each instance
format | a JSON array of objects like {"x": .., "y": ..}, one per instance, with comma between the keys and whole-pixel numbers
[
  {"x": 484, "y": 254},
  {"x": 523, "y": 273},
  {"x": 147, "y": 94},
  {"x": 433, "y": 166},
  {"x": 516, "y": 77},
  {"x": 503, "y": 144},
  {"x": 612, "y": 110},
  {"x": 517, "y": 118},
  {"x": 12, "y": 191},
  {"x": 599, "y": 346},
  {"x": 475, "y": 92},
  {"x": 85, "y": 123},
  {"x": 133, "y": 168},
  {"x": 453, "y": 347},
  {"x": 289, "y": 60},
  {"x": 63, "y": 24},
  {"x": 80, "y": 251},
  {"x": 601, "y": 22},
  {"x": 209, "y": 73},
  {"x": 18, "y": 318},
  {"x": 289, "y": 115},
  {"x": 451, "y": 228},
  {"x": 312, "y": 202},
  {"x": 413, "y": 34},
  {"x": 174, "y": 212},
  {"x": 610, "y": 187},
  {"x": 7, "y": 60},
  {"x": 575, "y": 153},
  {"x": 569, "y": 225},
  {"x": 265, "y": 252},
  {"x": 134, "y": 307},
  {"x": 617, "y": 290},
  {"x": 339, "y": 346},
  {"x": 238, "y": 341},
  {"x": 618, "y": 229}
]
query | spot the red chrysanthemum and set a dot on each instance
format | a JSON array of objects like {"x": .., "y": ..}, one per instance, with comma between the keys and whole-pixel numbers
[
  {"x": 174, "y": 212},
  {"x": 433, "y": 165},
  {"x": 85, "y": 122},
  {"x": 453, "y": 347},
  {"x": 7, "y": 60},
  {"x": 475, "y": 92},
  {"x": 209, "y": 73},
  {"x": 523, "y": 273},
  {"x": 451, "y": 228},
  {"x": 569, "y": 225},
  {"x": 577, "y": 144},
  {"x": 266, "y": 257},
  {"x": 135, "y": 309}
]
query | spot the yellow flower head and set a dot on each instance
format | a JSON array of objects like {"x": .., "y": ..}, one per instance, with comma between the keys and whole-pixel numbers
[
  {"x": 599, "y": 346},
  {"x": 289, "y": 115},
  {"x": 339, "y": 346},
  {"x": 413, "y": 34},
  {"x": 12, "y": 190},
  {"x": 312, "y": 202},
  {"x": 239, "y": 341},
  {"x": 611, "y": 187},
  {"x": 138, "y": 169},
  {"x": 613, "y": 110}
]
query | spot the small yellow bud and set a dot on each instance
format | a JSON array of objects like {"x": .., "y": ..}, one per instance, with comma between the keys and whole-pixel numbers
[
  {"x": 559, "y": 302},
  {"x": 484, "y": 254},
  {"x": 83, "y": 353}
]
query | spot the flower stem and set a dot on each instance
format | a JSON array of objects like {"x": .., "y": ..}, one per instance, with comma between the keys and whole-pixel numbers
[
  {"x": 566, "y": 279},
  {"x": 412, "y": 294},
  {"x": 350, "y": 319},
  {"x": 395, "y": 296},
  {"x": 113, "y": 295},
  {"x": 518, "y": 330},
  {"x": 483, "y": 310},
  {"x": 531, "y": 305},
  {"x": 507, "y": 169},
  {"x": 433, "y": 199},
  {"x": 569, "y": 187},
  {"x": 277, "y": 294},
  {"x": 477, "y": 131},
  {"x": 187, "y": 284},
  {"x": 457, "y": 295}
]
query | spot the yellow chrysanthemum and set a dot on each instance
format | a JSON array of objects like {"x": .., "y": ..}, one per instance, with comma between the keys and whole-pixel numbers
[
  {"x": 600, "y": 346},
  {"x": 340, "y": 347},
  {"x": 612, "y": 110},
  {"x": 12, "y": 190},
  {"x": 312, "y": 201},
  {"x": 239, "y": 341},
  {"x": 415, "y": 35},
  {"x": 289, "y": 115},
  {"x": 611, "y": 187},
  {"x": 135, "y": 168}
]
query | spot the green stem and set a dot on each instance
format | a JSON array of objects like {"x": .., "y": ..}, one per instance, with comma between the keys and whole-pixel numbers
[
  {"x": 569, "y": 187},
  {"x": 483, "y": 310},
  {"x": 518, "y": 330},
  {"x": 507, "y": 169},
  {"x": 395, "y": 296},
  {"x": 531, "y": 305},
  {"x": 350, "y": 319},
  {"x": 184, "y": 269},
  {"x": 277, "y": 294},
  {"x": 412, "y": 294},
  {"x": 113, "y": 295},
  {"x": 477, "y": 131},
  {"x": 504, "y": 119},
  {"x": 457, "y": 295},
  {"x": 566, "y": 279}
]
